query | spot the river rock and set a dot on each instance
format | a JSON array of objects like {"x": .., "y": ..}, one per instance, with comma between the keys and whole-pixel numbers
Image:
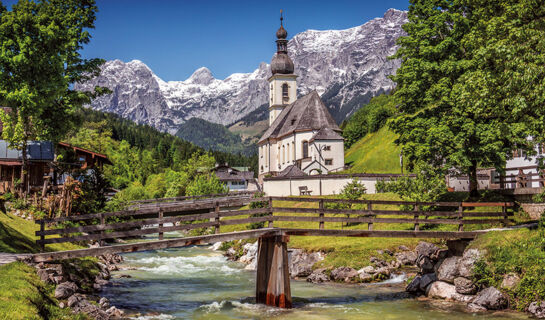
[
  {"x": 426, "y": 280},
  {"x": 114, "y": 312},
  {"x": 426, "y": 249},
  {"x": 65, "y": 290},
  {"x": 44, "y": 275},
  {"x": 414, "y": 285},
  {"x": 104, "y": 303},
  {"x": 300, "y": 262},
  {"x": 403, "y": 248},
  {"x": 467, "y": 262},
  {"x": 442, "y": 290},
  {"x": 365, "y": 277},
  {"x": 75, "y": 299},
  {"x": 425, "y": 264},
  {"x": 345, "y": 274},
  {"x": 318, "y": 276},
  {"x": 472, "y": 307},
  {"x": 250, "y": 253},
  {"x": 368, "y": 270},
  {"x": 379, "y": 263},
  {"x": 465, "y": 286},
  {"x": 491, "y": 299},
  {"x": 510, "y": 281},
  {"x": 382, "y": 273},
  {"x": 406, "y": 257},
  {"x": 537, "y": 309},
  {"x": 216, "y": 246},
  {"x": 448, "y": 270}
]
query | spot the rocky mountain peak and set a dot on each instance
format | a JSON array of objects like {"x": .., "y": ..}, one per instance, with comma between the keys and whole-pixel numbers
[{"x": 201, "y": 76}]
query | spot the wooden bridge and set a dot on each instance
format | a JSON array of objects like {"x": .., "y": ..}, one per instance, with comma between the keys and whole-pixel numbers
[{"x": 270, "y": 219}]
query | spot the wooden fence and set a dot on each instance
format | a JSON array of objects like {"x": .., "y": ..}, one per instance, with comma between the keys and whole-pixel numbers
[{"x": 216, "y": 212}]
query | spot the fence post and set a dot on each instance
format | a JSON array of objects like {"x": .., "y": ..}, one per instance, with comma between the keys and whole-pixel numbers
[
  {"x": 217, "y": 217},
  {"x": 416, "y": 210},
  {"x": 321, "y": 211},
  {"x": 102, "y": 224},
  {"x": 461, "y": 217},
  {"x": 371, "y": 216},
  {"x": 505, "y": 217},
  {"x": 160, "y": 215},
  {"x": 42, "y": 236},
  {"x": 271, "y": 212}
]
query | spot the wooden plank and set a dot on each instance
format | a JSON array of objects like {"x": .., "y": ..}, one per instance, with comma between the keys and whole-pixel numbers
[
  {"x": 152, "y": 245},
  {"x": 385, "y": 220},
  {"x": 487, "y": 204},
  {"x": 388, "y": 212},
  {"x": 382, "y": 234}
]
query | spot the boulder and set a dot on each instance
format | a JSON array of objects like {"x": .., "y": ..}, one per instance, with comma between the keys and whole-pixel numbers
[
  {"x": 379, "y": 263},
  {"x": 44, "y": 275},
  {"x": 472, "y": 307},
  {"x": 368, "y": 270},
  {"x": 510, "y": 281},
  {"x": 216, "y": 246},
  {"x": 383, "y": 273},
  {"x": 394, "y": 264},
  {"x": 114, "y": 312},
  {"x": 403, "y": 248},
  {"x": 414, "y": 285},
  {"x": 426, "y": 249},
  {"x": 250, "y": 253},
  {"x": 448, "y": 270},
  {"x": 75, "y": 299},
  {"x": 345, "y": 274},
  {"x": 425, "y": 264},
  {"x": 318, "y": 276},
  {"x": 467, "y": 262},
  {"x": 104, "y": 303},
  {"x": 300, "y": 262},
  {"x": 406, "y": 257},
  {"x": 442, "y": 290},
  {"x": 537, "y": 309},
  {"x": 427, "y": 279},
  {"x": 65, "y": 290},
  {"x": 365, "y": 277},
  {"x": 491, "y": 299},
  {"x": 465, "y": 286},
  {"x": 457, "y": 247}
]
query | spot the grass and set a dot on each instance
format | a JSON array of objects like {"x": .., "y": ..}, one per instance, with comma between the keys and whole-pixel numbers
[
  {"x": 17, "y": 235},
  {"x": 374, "y": 153},
  {"x": 520, "y": 251},
  {"x": 24, "y": 296}
]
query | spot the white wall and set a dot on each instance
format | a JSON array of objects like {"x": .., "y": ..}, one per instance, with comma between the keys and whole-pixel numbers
[{"x": 323, "y": 185}]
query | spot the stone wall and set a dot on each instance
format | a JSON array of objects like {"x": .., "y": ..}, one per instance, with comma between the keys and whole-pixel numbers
[{"x": 534, "y": 210}]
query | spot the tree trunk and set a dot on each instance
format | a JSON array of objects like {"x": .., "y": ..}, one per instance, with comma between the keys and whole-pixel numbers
[{"x": 473, "y": 183}]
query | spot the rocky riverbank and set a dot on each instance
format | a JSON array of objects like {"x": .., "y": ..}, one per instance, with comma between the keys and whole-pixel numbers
[{"x": 78, "y": 283}]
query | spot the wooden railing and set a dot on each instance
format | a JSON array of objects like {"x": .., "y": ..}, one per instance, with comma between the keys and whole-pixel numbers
[
  {"x": 217, "y": 212},
  {"x": 520, "y": 179}
]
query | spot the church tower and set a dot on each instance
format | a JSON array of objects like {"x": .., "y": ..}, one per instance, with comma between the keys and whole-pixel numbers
[{"x": 282, "y": 83}]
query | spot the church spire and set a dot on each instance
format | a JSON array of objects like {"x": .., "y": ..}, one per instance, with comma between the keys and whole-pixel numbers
[{"x": 281, "y": 62}]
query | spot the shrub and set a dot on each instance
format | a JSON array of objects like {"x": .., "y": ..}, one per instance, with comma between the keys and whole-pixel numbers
[{"x": 256, "y": 205}]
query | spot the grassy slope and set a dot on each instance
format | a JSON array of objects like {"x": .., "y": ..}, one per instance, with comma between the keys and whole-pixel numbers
[{"x": 374, "y": 153}]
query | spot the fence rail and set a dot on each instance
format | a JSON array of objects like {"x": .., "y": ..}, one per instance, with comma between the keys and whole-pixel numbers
[{"x": 217, "y": 212}]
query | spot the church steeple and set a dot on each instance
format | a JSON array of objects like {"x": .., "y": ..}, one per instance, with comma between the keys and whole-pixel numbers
[{"x": 283, "y": 85}]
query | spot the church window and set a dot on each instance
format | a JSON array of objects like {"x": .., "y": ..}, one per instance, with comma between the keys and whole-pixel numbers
[
  {"x": 288, "y": 153},
  {"x": 328, "y": 162},
  {"x": 283, "y": 154},
  {"x": 285, "y": 94},
  {"x": 305, "y": 149}
]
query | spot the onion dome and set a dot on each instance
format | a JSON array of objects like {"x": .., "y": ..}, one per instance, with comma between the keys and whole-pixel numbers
[
  {"x": 281, "y": 62},
  {"x": 281, "y": 33}
]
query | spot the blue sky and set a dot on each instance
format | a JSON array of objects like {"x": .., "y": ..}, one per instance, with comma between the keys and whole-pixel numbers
[{"x": 174, "y": 38}]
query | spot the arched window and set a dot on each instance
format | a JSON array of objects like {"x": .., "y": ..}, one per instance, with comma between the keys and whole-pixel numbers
[
  {"x": 285, "y": 93},
  {"x": 288, "y": 153},
  {"x": 283, "y": 154},
  {"x": 305, "y": 149}
]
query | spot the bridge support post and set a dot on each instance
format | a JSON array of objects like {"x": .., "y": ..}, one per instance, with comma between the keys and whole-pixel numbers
[{"x": 273, "y": 276}]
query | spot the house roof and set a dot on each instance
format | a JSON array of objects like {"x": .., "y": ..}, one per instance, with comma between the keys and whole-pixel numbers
[
  {"x": 291, "y": 171},
  {"x": 234, "y": 175},
  {"x": 326, "y": 134},
  {"x": 305, "y": 114},
  {"x": 36, "y": 151}
]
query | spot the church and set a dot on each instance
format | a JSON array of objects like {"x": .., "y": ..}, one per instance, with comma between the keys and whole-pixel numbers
[{"x": 302, "y": 137}]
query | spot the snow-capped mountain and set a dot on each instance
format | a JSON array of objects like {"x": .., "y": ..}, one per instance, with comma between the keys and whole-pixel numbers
[{"x": 347, "y": 67}]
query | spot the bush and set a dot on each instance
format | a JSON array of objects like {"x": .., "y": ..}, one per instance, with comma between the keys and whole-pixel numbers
[
  {"x": 256, "y": 205},
  {"x": 426, "y": 186}
]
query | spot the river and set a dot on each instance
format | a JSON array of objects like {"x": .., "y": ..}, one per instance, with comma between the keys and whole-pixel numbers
[{"x": 198, "y": 283}]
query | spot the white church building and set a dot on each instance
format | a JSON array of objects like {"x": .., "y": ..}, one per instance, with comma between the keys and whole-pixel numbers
[{"x": 302, "y": 137}]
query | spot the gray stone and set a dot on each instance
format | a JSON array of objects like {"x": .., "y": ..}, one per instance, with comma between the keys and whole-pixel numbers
[
  {"x": 537, "y": 309},
  {"x": 491, "y": 299},
  {"x": 467, "y": 262},
  {"x": 448, "y": 270},
  {"x": 414, "y": 285},
  {"x": 442, "y": 290},
  {"x": 382, "y": 273},
  {"x": 365, "y": 277},
  {"x": 465, "y": 286},
  {"x": 74, "y": 300},
  {"x": 425, "y": 264},
  {"x": 510, "y": 281},
  {"x": 104, "y": 303},
  {"x": 403, "y": 248},
  {"x": 368, "y": 270},
  {"x": 457, "y": 247},
  {"x": 300, "y": 262},
  {"x": 318, "y": 276},
  {"x": 426, "y": 249},
  {"x": 379, "y": 263},
  {"x": 406, "y": 257},
  {"x": 472, "y": 307},
  {"x": 65, "y": 290},
  {"x": 43, "y": 274},
  {"x": 427, "y": 279},
  {"x": 345, "y": 274},
  {"x": 114, "y": 312}
]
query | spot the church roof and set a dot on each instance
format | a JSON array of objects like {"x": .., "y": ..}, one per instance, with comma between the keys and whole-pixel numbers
[
  {"x": 291, "y": 171},
  {"x": 305, "y": 114},
  {"x": 326, "y": 134}
]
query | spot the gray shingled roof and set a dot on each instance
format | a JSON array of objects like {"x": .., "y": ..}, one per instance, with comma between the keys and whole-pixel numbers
[
  {"x": 306, "y": 113},
  {"x": 291, "y": 171},
  {"x": 326, "y": 134},
  {"x": 36, "y": 150},
  {"x": 234, "y": 175}
]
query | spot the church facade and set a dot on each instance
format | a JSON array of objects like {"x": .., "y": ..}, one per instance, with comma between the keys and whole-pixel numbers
[{"x": 302, "y": 135}]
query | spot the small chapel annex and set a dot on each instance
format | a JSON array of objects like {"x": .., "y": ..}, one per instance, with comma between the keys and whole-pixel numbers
[{"x": 302, "y": 136}]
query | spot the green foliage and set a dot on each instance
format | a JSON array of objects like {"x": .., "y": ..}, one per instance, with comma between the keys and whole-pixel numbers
[
  {"x": 256, "y": 205},
  {"x": 521, "y": 252},
  {"x": 539, "y": 198},
  {"x": 206, "y": 184},
  {"x": 369, "y": 118},
  {"x": 40, "y": 44},
  {"x": 470, "y": 86},
  {"x": 426, "y": 186},
  {"x": 213, "y": 136},
  {"x": 91, "y": 191},
  {"x": 353, "y": 190}
]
